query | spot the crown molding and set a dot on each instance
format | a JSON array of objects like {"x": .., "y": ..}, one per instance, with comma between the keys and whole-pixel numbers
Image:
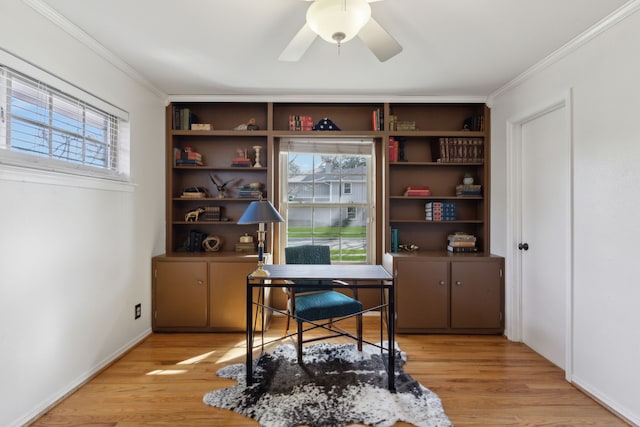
[
  {"x": 328, "y": 98},
  {"x": 84, "y": 38},
  {"x": 600, "y": 27}
]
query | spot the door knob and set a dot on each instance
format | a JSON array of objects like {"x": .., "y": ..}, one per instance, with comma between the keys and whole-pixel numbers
[{"x": 524, "y": 246}]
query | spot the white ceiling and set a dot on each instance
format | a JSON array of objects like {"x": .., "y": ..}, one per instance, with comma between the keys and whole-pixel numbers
[{"x": 222, "y": 47}]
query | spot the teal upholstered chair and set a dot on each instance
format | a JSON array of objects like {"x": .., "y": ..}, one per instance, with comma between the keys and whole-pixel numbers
[{"x": 317, "y": 304}]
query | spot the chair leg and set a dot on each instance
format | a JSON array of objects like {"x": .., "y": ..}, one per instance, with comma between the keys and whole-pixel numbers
[
  {"x": 359, "y": 330},
  {"x": 286, "y": 328},
  {"x": 299, "y": 342}
]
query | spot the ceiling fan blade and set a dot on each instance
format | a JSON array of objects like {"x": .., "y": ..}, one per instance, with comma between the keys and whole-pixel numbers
[
  {"x": 298, "y": 45},
  {"x": 379, "y": 41}
]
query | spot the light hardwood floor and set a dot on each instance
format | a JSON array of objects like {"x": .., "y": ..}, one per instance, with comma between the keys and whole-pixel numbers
[{"x": 482, "y": 381}]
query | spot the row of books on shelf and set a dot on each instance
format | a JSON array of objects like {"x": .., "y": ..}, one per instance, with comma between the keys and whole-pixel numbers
[
  {"x": 458, "y": 242},
  {"x": 401, "y": 125},
  {"x": 377, "y": 119},
  {"x": 474, "y": 123},
  {"x": 300, "y": 123},
  {"x": 462, "y": 190},
  {"x": 183, "y": 118},
  {"x": 461, "y": 150},
  {"x": 440, "y": 211},
  {"x": 461, "y": 242}
]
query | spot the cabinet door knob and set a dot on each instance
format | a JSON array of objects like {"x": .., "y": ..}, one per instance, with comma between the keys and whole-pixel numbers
[
  {"x": 442, "y": 283},
  {"x": 200, "y": 282},
  {"x": 458, "y": 283},
  {"x": 524, "y": 246}
]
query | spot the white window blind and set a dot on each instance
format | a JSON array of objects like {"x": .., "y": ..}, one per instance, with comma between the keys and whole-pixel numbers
[{"x": 46, "y": 128}]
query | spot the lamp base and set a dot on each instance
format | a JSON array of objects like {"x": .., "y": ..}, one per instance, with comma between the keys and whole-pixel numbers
[{"x": 260, "y": 272}]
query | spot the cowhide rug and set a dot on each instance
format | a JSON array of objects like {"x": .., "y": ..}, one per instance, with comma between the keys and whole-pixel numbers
[{"x": 338, "y": 385}]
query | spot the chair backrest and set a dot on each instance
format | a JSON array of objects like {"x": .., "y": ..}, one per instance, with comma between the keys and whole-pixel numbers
[{"x": 308, "y": 254}]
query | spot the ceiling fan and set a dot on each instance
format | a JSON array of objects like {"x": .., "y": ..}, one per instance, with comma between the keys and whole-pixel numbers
[{"x": 338, "y": 21}]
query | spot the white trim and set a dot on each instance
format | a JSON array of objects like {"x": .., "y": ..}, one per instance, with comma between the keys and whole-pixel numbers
[
  {"x": 52, "y": 15},
  {"x": 81, "y": 380},
  {"x": 62, "y": 178},
  {"x": 595, "y": 30},
  {"x": 513, "y": 327}
]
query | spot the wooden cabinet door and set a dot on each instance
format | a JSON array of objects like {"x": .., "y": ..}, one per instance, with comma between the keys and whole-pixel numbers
[
  {"x": 180, "y": 294},
  {"x": 421, "y": 295},
  {"x": 228, "y": 290},
  {"x": 476, "y": 295}
]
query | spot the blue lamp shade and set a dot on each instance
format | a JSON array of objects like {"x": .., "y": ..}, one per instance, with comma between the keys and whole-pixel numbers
[{"x": 260, "y": 211}]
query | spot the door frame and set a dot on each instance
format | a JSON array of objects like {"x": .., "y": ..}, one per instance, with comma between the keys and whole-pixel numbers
[{"x": 513, "y": 324}]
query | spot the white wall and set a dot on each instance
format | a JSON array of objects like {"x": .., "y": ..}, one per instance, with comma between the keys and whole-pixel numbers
[
  {"x": 604, "y": 77},
  {"x": 74, "y": 261}
]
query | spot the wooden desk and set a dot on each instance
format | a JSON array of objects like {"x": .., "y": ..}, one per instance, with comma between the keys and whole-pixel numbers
[{"x": 358, "y": 276}]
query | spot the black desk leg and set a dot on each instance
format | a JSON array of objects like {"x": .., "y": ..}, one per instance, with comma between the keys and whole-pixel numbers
[
  {"x": 391, "y": 327},
  {"x": 249, "y": 310}
]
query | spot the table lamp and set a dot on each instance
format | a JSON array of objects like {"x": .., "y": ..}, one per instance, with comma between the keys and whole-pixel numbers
[{"x": 260, "y": 212}]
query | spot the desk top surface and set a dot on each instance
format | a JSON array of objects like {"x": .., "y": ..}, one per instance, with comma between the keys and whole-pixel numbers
[{"x": 326, "y": 272}]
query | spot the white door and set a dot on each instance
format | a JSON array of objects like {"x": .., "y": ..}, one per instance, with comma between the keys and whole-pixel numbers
[{"x": 545, "y": 233}]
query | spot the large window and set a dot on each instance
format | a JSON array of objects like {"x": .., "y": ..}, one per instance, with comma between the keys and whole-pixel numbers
[
  {"x": 44, "y": 127},
  {"x": 316, "y": 206}
]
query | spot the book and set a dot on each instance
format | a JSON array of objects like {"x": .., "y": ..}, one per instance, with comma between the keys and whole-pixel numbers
[
  {"x": 418, "y": 191},
  {"x": 462, "y": 244},
  {"x": 394, "y": 240},
  {"x": 461, "y": 237},
  {"x": 201, "y": 126},
  {"x": 393, "y": 149},
  {"x": 188, "y": 162},
  {"x": 461, "y": 250}
]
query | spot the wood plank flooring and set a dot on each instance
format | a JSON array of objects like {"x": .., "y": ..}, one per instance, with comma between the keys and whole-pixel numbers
[{"x": 482, "y": 381}]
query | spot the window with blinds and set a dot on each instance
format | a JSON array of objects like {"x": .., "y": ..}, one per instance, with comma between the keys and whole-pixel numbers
[
  {"x": 328, "y": 196},
  {"x": 56, "y": 130}
]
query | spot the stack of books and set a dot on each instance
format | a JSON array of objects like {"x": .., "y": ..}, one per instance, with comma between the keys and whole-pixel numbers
[
  {"x": 461, "y": 242},
  {"x": 248, "y": 192},
  {"x": 187, "y": 157},
  {"x": 300, "y": 123},
  {"x": 241, "y": 162},
  {"x": 440, "y": 211},
  {"x": 469, "y": 190},
  {"x": 194, "y": 193},
  {"x": 211, "y": 213},
  {"x": 417, "y": 191}
]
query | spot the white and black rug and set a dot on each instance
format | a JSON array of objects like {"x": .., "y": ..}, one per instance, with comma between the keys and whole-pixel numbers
[{"x": 337, "y": 385}]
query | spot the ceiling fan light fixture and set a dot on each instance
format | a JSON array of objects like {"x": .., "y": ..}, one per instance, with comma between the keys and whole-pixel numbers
[{"x": 338, "y": 21}]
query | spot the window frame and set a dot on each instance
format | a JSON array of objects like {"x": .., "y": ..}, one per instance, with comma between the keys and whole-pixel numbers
[
  {"x": 18, "y": 165},
  {"x": 368, "y": 209}
]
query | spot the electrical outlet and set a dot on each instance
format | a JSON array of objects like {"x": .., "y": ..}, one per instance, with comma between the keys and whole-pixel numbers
[{"x": 138, "y": 311}]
